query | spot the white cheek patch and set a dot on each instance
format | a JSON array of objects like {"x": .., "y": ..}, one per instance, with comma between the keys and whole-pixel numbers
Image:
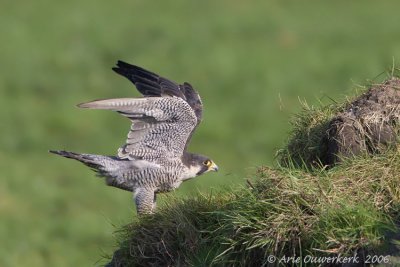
[{"x": 191, "y": 172}]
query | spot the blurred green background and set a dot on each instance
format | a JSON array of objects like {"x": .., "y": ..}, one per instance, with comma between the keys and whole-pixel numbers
[{"x": 250, "y": 60}]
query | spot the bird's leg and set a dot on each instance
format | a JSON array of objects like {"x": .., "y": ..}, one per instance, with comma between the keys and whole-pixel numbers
[{"x": 144, "y": 200}]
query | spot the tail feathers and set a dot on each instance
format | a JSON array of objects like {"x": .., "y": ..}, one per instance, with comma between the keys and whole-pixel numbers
[{"x": 93, "y": 161}]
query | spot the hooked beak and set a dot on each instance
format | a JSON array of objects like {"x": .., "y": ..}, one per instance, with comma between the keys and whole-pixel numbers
[{"x": 213, "y": 167}]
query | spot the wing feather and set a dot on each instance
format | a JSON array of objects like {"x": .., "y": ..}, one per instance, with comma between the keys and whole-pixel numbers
[
  {"x": 160, "y": 126},
  {"x": 151, "y": 84}
]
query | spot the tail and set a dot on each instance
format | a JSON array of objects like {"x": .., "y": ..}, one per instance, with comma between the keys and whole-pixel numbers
[
  {"x": 98, "y": 163},
  {"x": 108, "y": 167}
]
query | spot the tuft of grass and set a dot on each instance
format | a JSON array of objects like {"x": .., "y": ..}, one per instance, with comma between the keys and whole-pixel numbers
[{"x": 306, "y": 146}]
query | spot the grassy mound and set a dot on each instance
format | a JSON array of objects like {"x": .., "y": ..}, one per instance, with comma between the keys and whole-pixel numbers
[
  {"x": 369, "y": 123},
  {"x": 286, "y": 211}
]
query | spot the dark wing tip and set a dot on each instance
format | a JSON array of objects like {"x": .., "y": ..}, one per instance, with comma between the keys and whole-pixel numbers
[
  {"x": 133, "y": 72},
  {"x": 122, "y": 67},
  {"x": 121, "y": 63},
  {"x": 148, "y": 83},
  {"x": 118, "y": 70}
]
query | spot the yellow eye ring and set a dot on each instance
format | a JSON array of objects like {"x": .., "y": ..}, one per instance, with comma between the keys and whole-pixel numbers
[{"x": 207, "y": 163}]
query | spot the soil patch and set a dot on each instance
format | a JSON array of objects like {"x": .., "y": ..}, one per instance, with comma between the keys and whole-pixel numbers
[{"x": 369, "y": 124}]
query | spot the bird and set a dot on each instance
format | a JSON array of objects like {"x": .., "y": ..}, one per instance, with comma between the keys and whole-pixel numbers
[{"x": 154, "y": 158}]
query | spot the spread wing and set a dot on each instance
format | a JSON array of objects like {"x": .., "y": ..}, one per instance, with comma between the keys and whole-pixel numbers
[
  {"x": 161, "y": 126},
  {"x": 150, "y": 84}
]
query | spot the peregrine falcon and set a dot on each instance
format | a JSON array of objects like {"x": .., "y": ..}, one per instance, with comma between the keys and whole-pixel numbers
[{"x": 154, "y": 158}]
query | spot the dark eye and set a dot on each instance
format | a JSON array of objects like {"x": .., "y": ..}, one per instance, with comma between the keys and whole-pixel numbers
[{"x": 207, "y": 163}]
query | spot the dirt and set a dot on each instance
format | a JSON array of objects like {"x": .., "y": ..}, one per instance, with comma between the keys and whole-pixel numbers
[{"x": 369, "y": 124}]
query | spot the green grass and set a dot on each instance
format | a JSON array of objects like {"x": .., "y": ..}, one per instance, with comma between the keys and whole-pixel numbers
[
  {"x": 251, "y": 61},
  {"x": 286, "y": 211}
]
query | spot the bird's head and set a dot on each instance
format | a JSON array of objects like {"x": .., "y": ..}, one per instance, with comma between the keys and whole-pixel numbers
[
  {"x": 208, "y": 165},
  {"x": 200, "y": 163}
]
